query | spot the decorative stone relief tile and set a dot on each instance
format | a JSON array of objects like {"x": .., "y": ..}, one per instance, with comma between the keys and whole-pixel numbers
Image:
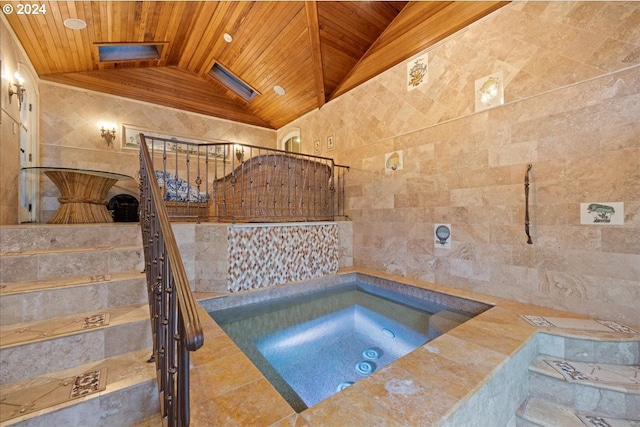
[
  {"x": 269, "y": 255},
  {"x": 417, "y": 72},
  {"x": 489, "y": 91}
]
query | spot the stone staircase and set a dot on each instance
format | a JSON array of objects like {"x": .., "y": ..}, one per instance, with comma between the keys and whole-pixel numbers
[
  {"x": 583, "y": 381},
  {"x": 74, "y": 327}
]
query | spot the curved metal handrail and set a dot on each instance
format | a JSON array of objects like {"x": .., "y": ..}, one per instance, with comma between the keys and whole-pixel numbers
[{"x": 175, "y": 323}]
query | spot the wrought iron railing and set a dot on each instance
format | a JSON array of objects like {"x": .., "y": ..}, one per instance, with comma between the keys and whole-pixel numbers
[
  {"x": 227, "y": 181},
  {"x": 175, "y": 325}
]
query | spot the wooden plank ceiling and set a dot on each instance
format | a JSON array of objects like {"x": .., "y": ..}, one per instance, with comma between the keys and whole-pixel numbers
[{"x": 316, "y": 51}]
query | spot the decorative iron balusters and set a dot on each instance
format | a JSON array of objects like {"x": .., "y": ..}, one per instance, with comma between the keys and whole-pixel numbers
[{"x": 266, "y": 185}]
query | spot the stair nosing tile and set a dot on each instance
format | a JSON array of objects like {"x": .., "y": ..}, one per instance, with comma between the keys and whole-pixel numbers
[
  {"x": 539, "y": 366},
  {"x": 525, "y": 414},
  {"x": 115, "y": 322},
  {"x": 77, "y": 281},
  {"x": 522, "y": 411},
  {"x": 111, "y": 386},
  {"x": 70, "y": 250}
]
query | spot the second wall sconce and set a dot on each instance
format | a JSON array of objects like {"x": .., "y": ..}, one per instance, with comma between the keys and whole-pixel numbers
[
  {"x": 108, "y": 134},
  {"x": 240, "y": 154},
  {"x": 19, "y": 91}
]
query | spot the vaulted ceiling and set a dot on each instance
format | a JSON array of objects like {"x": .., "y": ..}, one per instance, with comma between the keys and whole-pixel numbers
[{"x": 316, "y": 51}]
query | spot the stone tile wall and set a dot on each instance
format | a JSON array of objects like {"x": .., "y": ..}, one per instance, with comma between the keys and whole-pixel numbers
[
  {"x": 11, "y": 60},
  {"x": 572, "y": 108}
]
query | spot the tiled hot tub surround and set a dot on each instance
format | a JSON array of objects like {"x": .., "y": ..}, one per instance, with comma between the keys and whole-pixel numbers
[
  {"x": 455, "y": 302},
  {"x": 277, "y": 291},
  {"x": 263, "y": 255},
  {"x": 402, "y": 293},
  {"x": 474, "y": 375}
]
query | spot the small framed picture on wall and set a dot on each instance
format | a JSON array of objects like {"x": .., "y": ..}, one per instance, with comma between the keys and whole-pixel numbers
[
  {"x": 316, "y": 147},
  {"x": 330, "y": 143}
]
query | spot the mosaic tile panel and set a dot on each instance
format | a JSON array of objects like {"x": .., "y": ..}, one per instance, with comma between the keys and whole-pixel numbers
[{"x": 262, "y": 256}]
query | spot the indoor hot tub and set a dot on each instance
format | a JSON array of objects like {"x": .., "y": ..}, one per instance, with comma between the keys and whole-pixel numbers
[{"x": 312, "y": 340}]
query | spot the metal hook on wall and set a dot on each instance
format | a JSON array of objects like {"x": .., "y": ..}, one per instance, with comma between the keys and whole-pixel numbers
[{"x": 526, "y": 204}]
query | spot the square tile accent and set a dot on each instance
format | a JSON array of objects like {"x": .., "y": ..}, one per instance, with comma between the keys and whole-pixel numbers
[
  {"x": 96, "y": 321},
  {"x": 88, "y": 383}
]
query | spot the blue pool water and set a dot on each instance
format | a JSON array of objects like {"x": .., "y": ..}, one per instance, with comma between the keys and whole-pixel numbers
[
  {"x": 313, "y": 345},
  {"x": 322, "y": 356}
]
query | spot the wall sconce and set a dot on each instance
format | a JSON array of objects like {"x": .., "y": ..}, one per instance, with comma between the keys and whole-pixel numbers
[
  {"x": 108, "y": 135},
  {"x": 240, "y": 154},
  {"x": 19, "y": 91}
]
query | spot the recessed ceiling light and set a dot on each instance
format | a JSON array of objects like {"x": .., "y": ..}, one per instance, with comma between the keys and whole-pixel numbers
[
  {"x": 75, "y": 24},
  {"x": 279, "y": 90},
  {"x": 227, "y": 37}
]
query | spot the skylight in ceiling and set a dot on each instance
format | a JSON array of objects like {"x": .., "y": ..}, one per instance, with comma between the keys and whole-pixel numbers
[
  {"x": 129, "y": 52},
  {"x": 232, "y": 82}
]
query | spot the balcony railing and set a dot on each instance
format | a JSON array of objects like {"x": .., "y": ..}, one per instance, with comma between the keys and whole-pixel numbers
[{"x": 224, "y": 181}]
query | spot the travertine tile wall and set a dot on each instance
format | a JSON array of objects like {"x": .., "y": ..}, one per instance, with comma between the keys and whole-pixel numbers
[
  {"x": 572, "y": 93},
  {"x": 70, "y": 135},
  {"x": 12, "y": 60}
]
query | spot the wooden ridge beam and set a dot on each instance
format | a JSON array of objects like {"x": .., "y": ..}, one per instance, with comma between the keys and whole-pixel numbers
[{"x": 316, "y": 52}]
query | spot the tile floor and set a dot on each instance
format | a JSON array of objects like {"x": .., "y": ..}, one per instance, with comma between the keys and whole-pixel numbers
[{"x": 228, "y": 390}]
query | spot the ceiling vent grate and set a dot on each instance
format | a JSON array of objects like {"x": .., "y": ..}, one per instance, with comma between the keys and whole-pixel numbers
[{"x": 233, "y": 83}]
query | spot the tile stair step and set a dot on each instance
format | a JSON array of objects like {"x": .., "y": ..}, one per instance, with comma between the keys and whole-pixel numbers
[
  {"x": 543, "y": 368},
  {"x": 590, "y": 346},
  {"x": 67, "y": 250},
  {"x": 535, "y": 411},
  {"x": 52, "y": 284},
  {"x": 130, "y": 397},
  {"x": 36, "y": 348},
  {"x": 29, "y": 266},
  {"x": 31, "y": 301},
  {"x": 38, "y": 237},
  {"x": 606, "y": 398},
  {"x": 49, "y": 274},
  {"x": 154, "y": 420},
  {"x": 521, "y": 422},
  {"x": 538, "y": 412}
]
